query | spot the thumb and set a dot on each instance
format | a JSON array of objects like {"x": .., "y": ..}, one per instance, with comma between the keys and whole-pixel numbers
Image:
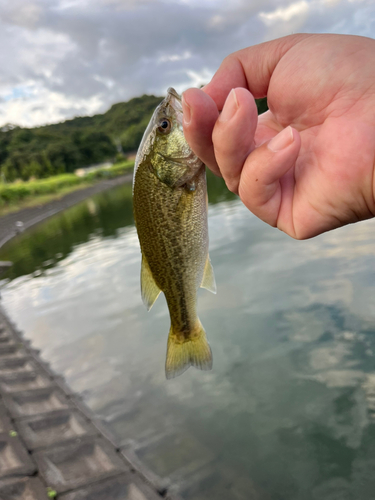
[{"x": 267, "y": 181}]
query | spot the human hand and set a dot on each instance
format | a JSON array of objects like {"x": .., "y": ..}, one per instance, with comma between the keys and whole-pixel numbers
[{"x": 307, "y": 165}]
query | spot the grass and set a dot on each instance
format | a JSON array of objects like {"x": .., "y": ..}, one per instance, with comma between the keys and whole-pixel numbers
[{"x": 19, "y": 195}]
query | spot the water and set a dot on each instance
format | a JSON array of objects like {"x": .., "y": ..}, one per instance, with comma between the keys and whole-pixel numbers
[{"x": 288, "y": 412}]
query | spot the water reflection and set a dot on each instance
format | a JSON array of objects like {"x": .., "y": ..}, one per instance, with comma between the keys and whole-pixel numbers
[
  {"x": 101, "y": 215},
  {"x": 288, "y": 411}
]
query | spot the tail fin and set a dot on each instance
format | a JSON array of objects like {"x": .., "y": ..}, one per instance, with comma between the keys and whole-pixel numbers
[{"x": 181, "y": 354}]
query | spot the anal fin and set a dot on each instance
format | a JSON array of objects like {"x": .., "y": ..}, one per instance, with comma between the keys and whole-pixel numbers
[
  {"x": 149, "y": 289},
  {"x": 208, "y": 281}
]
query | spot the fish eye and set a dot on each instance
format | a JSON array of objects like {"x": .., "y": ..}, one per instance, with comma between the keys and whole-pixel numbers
[{"x": 164, "y": 126}]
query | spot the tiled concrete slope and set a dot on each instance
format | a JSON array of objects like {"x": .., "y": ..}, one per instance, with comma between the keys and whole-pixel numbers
[{"x": 51, "y": 445}]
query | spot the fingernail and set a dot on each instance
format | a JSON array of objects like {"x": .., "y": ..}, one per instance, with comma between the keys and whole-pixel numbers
[
  {"x": 186, "y": 111},
  {"x": 282, "y": 140},
  {"x": 230, "y": 107}
]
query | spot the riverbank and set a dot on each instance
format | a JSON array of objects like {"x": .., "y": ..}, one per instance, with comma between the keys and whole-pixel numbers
[
  {"x": 15, "y": 222},
  {"x": 51, "y": 443},
  {"x": 24, "y": 194}
]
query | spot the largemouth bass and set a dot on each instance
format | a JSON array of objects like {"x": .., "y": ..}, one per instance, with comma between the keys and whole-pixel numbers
[{"x": 170, "y": 211}]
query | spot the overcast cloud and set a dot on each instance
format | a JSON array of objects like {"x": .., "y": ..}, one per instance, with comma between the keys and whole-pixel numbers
[{"x": 66, "y": 58}]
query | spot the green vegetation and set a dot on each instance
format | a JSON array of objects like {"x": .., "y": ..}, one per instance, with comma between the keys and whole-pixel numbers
[
  {"x": 37, "y": 165},
  {"x": 11, "y": 194},
  {"x": 62, "y": 148},
  {"x": 51, "y": 493},
  {"x": 41, "y": 152},
  {"x": 262, "y": 105}
]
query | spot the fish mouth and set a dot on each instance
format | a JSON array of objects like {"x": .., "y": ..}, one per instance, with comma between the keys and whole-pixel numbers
[{"x": 172, "y": 92}]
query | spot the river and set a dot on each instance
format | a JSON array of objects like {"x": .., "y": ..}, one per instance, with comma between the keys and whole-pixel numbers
[{"x": 288, "y": 411}]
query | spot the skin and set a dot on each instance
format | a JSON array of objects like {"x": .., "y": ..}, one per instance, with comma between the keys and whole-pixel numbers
[{"x": 319, "y": 175}]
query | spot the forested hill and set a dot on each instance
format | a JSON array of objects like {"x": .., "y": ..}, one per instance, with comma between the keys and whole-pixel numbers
[{"x": 63, "y": 147}]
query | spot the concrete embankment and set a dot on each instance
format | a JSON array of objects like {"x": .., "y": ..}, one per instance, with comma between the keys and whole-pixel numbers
[{"x": 51, "y": 445}]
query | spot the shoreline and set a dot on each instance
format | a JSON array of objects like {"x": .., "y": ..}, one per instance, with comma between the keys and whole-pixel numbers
[
  {"x": 32, "y": 393},
  {"x": 15, "y": 222}
]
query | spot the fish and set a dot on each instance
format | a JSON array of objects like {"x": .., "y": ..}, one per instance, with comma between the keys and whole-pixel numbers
[{"x": 170, "y": 212}]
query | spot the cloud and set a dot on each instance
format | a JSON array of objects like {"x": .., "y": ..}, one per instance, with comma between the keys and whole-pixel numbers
[
  {"x": 285, "y": 13},
  {"x": 81, "y": 56},
  {"x": 21, "y": 13}
]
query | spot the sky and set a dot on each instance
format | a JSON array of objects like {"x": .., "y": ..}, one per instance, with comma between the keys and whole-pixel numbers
[{"x": 65, "y": 58}]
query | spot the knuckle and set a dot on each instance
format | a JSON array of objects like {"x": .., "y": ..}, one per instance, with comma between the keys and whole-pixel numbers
[{"x": 228, "y": 59}]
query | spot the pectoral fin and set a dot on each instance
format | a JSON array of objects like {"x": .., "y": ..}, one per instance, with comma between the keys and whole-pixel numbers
[
  {"x": 149, "y": 289},
  {"x": 208, "y": 281}
]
